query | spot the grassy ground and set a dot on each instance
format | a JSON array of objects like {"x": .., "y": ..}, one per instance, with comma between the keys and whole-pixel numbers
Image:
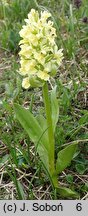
[{"x": 21, "y": 173}]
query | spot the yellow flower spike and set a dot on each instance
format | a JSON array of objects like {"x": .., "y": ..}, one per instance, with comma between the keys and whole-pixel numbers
[{"x": 39, "y": 53}]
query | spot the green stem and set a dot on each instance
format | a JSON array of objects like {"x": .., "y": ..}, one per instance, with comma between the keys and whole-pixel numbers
[{"x": 50, "y": 134}]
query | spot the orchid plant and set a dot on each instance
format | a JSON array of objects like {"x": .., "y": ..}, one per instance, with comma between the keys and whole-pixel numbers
[{"x": 39, "y": 62}]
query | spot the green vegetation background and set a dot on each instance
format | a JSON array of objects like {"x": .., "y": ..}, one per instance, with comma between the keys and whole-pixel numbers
[{"x": 21, "y": 174}]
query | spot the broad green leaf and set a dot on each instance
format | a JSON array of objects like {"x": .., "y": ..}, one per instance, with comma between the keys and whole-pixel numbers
[
  {"x": 66, "y": 192},
  {"x": 43, "y": 124},
  {"x": 64, "y": 157},
  {"x": 34, "y": 130},
  {"x": 54, "y": 108},
  {"x": 43, "y": 156},
  {"x": 30, "y": 124},
  {"x": 42, "y": 121}
]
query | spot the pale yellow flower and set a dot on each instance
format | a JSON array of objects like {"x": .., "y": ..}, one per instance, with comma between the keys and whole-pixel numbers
[
  {"x": 24, "y": 31},
  {"x": 26, "y": 51},
  {"x": 44, "y": 16},
  {"x": 27, "y": 67},
  {"x": 58, "y": 56},
  {"x": 26, "y": 83},
  {"x": 50, "y": 66},
  {"x": 33, "y": 16},
  {"x": 5, "y": 2},
  {"x": 43, "y": 75},
  {"x": 39, "y": 57},
  {"x": 39, "y": 53}
]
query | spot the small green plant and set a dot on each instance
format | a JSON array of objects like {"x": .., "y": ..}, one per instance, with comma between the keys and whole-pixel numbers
[{"x": 40, "y": 59}]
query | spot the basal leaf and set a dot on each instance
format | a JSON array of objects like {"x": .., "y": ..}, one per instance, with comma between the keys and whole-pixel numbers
[
  {"x": 34, "y": 130},
  {"x": 42, "y": 121},
  {"x": 28, "y": 122},
  {"x": 43, "y": 156},
  {"x": 64, "y": 157},
  {"x": 43, "y": 124},
  {"x": 54, "y": 108}
]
